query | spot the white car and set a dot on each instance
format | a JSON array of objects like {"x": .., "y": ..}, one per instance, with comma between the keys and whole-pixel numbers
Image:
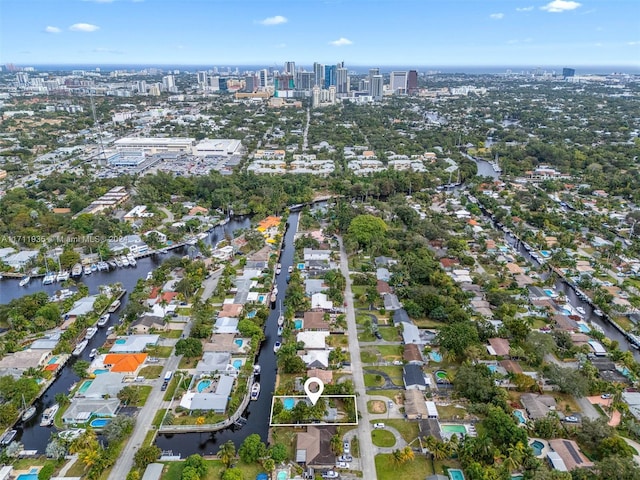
[
  {"x": 346, "y": 448},
  {"x": 330, "y": 474},
  {"x": 342, "y": 465},
  {"x": 378, "y": 425}
]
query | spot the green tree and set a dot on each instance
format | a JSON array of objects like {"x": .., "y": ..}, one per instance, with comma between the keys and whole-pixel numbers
[
  {"x": 189, "y": 347},
  {"x": 233, "y": 474},
  {"x": 367, "y": 229},
  {"x": 252, "y": 449},
  {"x": 80, "y": 368},
  {"x": 457, "y": 337},
  {"x": 118, "y": 428},
  {"x": 129, "y": 395},
  {"x": 227, "y": 453},
  {"x": 146, "y": 455},
  {"x": 198, "y": 463},
  {"x": 278, "y": 453}
]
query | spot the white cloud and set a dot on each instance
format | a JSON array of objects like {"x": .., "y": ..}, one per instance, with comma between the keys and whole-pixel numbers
[
  {"x": 277, "y": 20},
  {"x": 497, "y": 16},
  {"x": 558, "y": 6},
  {"x": 50, "y": 29},
  {"x": 341, "y": 42},
  {"x": 524, "y": 9},
  {"x": 84, "y": 27}
]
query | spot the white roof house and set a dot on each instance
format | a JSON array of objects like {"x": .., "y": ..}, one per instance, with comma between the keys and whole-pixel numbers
[
  {"x": 313, "y": 340},
  {"x": 104, "y": 384},
  {"x": 134, "y": 343},
  {"x": 316, "y": 358},
  {"x": 319, "y": 300},
  {"x": 226, "y": 325}
]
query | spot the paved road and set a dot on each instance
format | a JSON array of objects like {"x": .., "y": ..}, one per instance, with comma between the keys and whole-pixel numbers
[
  {"x": 588, "y": 410},
  {"x": 367, "y": 450},
  {"x": 169, "y": 215}
]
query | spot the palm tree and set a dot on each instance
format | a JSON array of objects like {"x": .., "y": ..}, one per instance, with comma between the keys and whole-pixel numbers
[
  {"x": 440, "y": 451},
  {"x": 227, "y": 453},
  {"x": 407, "y": 454},
  {"x": 336, "y": 444},
  {"x": 396, "y": 457},
  {"x": 89, "y": 456}
]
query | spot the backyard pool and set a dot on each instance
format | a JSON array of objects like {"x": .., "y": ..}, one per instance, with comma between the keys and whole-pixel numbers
[
  {"x": 550, "y": 292},
  {"x": 239, "y": 342},
  {"x": 583, "y": 327},
  {"x": 452, "y": 428},
  {"x": 32, "y": 475},
  {"x": 237, "y": 364},
  {"x": 251, "y": 314},
  {"x": 441, "y": 376},
  {"x": 98, "y": 371},
  {"x": 455, "y": 474},
  {"x": 300, "y": 266},
  {"x": 297, "y": 323},
  {"x": 52, "y": 361},
  {"x": 99, "y": 422},
  {"x": 85, "y": 386},
  {"x": 545, "y": 253},
  {"x": 121, "y": 341},
  {"x": 261, "y": 298},
  {"x": 282, "y": 475},
  {"x": 203, "y": 385},
  {"x": 289, "y": 403},
  {"x": 520, "y": 416},
  {"x": 537, "y": 446},
  {"x": 493, "y": 368},
  {"x": 435, "y": 356}
]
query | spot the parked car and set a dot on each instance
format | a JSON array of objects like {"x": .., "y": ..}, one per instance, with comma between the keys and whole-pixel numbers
[
  {"x": 345, "y": 458},
  {"x": 571, "y": 419},
  {"x": 378, "y": 335},
  {"x": 342, "y": 465},
  {"x": 346, "y": 448},
  {"x": 378, "y": 425},
  {"x": 606, "y": 396},
  {"x": 330, "y": 474}
]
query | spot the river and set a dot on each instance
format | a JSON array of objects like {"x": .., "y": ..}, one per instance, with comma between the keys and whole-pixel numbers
[
  {"x": 257, "y": 413},
  {"x": 31, "y": 434}
]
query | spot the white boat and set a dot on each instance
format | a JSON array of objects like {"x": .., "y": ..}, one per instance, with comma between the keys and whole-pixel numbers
[
  {"x": 49, "y": 278},
  {"x": 278, "y": 270},
  {"x": 62, "y": 276},
  {"x": 280, "y": 331},
  {"x": 110, "y": 330},
  {"x": 119, "y": 263},
  {"x": 125, "y": 261},
  {"x": 255, "y": 391},
  {"x": 112, "y": 264},
  {"x": 149, "y": 275},
  {"x": 93, "y": 353},
  {"x": 132, "y": 260},
  {"x": 281, "y": 320},
  {"x": 87, "y": 270},
  {"x": 290, "y": 269},
  {"x": 80, "y": 348},
  {"x": 276, "y": 346},
  {"x": 114, "y": 306},
  {"x": 580, "y": 310},
  {"x": 257, "y": 369},
  {"x": 91, "y": 332},
  {"x": 94, "y": 267},
  {"x": 71, "y": 434},
  {"x": 8, "y": 437},
  {"x": 104, "y": 319},
  {"x": 25, "y": 281},
  {"x": 103, "y": 266},
  {"x": 28, "y": 413},
  {"x": 48, "y": 416},
  {"x": 598, "y": 312},
  {"x": 76, "y": 271}
]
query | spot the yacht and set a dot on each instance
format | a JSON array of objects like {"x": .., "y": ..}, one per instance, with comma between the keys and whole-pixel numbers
[
  {"x": 110, "y": 330},
  {"x": 132, "y": 260},
  {"x": 48, "y": 416},
  {"x": 256, "y": 370},
  {"x": 255, "y": 391},
  {"x": 103, "y": 266},
  {"x": 119, "y": 263},
  {"x": 94, "y": 267},
  {"x": 290, "y": 269},
  {"x": 273, "y": 297},
  {"x": 8, "y": 437},
  {"x": 276, "y": 347},
  {"x": 87, "y": 270},
  {"x": 91, "y": 332},
  {"x": 63, "y": 276},
  {"x": 114, "y": 306},
  {"x": 76, "y": 271},
  {"x": 149, "y": 275},
  {"x": 49, "y": 278},
  {"x": 28, "y": 413},
  {"x": 80, "y": 348},
  {"x": 125, "y": 261},
  {"x": 598, "y": 312},
  {"x": 112, "y": 264},
  {"x": 278, "y": 269},
  {"x": 25, "y": 281},
  {"x": 580, "y": 310},
  {"x": 104, "y": 319},
  {"x": 281, "y": 320},
  {"x": 93, "y": 353},
  {"x": 280, "y": 330}
]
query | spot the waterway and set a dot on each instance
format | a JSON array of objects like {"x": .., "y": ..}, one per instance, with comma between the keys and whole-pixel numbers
[
  {"x": 257, "y": 412},
  {"x": 30, "y": 433}
]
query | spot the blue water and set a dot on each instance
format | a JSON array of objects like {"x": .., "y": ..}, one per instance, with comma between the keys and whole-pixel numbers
[
  {"x": 237, "y": 364},
  {"x": 549, "y": 292},
  {"x": 27, "y": 476},
  {"x": 297, "y": 324},
  {"x": 435, "y": 356},
  {"x": 300, "y": 266},
  {"x": 520, "y": 416},
  {"x": 455, "y": 474},
  {"x": 493, "y": 368},
  {"x": 282, "y": 475},
  {"x": 99, "y": 422},
  {"x": 537, "y": 447},
  {"x": 203, "y": 385},
  {"x": 289, "y": 403},
  {"x": 121, "y": 341},
  {"x": 52, "y": 361},
  {"x": 251, "y": 314},
  {"x": 261, "y": 298},
  {"x": 85, "y": 386},
  {"x": 583, "y": 328},
  {"x": 101, "y": 370},
  {"x": 545, "y": 253},
  {"x": 239, "y": 342}
]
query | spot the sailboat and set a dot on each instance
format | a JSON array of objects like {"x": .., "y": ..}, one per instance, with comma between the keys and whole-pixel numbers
[
  {"x": 281, "y": 316},
  {"x": 63, "y": 275},
  {"x": 25, "y": 281},
  {"x": 28, "y": 412}
]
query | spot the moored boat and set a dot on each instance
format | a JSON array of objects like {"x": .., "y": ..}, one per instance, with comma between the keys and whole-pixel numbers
[
  {"x": 93, "y": 353},
  {"x": 277, "y": 346},
  {"x": 25, "y": 281},
  {"x": 48, "y": 415},
  {"x": 63, "y": 276},
  {"x": 91, "y": 332},
  {"x": 112, "y": 264},
  {"x": 87, "y": 270},
  {"x": 255, "y": 391},
  {"x": 7, "y": 438},
  {"x": 114, "y": 306},
  {"x": 104, "y": 319},
  {"x": 132, "y": 260},
  {"x": 125, "y": 261},
  {"x": 257, "y": 369},
  {"x": 118, "y": 262},
  {"x": 49, "y": 278},
  {"x": 76, "y": 271},
  {"x": 80, "y": 348},
  {"x": 28, "y": 413}
]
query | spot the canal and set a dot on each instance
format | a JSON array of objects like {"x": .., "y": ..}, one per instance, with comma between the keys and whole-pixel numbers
[
  {"x": 257, "y": 412},
  {"x": 31, "y": 434}
]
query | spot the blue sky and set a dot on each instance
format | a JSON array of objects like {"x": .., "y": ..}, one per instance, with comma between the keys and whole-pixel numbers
[{"x": 360, "y": 32}]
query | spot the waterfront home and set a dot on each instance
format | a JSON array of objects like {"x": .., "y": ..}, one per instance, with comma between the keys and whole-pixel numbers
[
  {"x": 47, "y": 342},
  {"x": 314, "y": 321},
  {"x": 316, "y": 358},
  {"x": 146, "y": 323},
  {"x": 325, "y": 375},
  {"x": 134, "y": 343},
  {"x": 231, "y": 310},
  {"x": 15, "y": 364},
  {"x": 82, "y": 306},
  {"x": 320, "y": 301},
  {"x": 215, "y": 401},
  {"x": 313, "y": 286},
  {"x": 313, "y": 447},
  {"x": 215, "y": 362},
  {"x": 103, "y": 385},
  {"x": 124, "y": 362},
  {"x": 313, "y": 340},
  {"x": 82, "y": 409},
  {"x": 226, "y": 325}
]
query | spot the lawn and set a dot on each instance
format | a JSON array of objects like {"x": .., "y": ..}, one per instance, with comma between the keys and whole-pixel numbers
[
  {"x": 171, "y": 388},
  {"x": 394, "y": 395},
  {"x": 368, "y": 356},
  {"x": 171, "y": 334},
  {"x": 390, "y": 334},
  {"x": 145, "y": 391},
  {"x": 162, "y": 352},
  {"x": 394, "y": 372},
  {"x": 186, "y": 363},
  {"x": 429, "y": 323},
  {"x": 151, "y": 371},
  {"x": 158, "y": 417},
  {"x": 376, "y": 406},
  {"x": 383, "y": 438},
  {"x": 365, "y": 337},
  {"x": 373, "y": 380},
  {"x": 408, "y": 430},
  {"x": 214, "y": 472},
  {"x": 451, "y": 412},
  {"x": 338, "y": 341},
  {"x": 390, "y": 352},
  {"x": 417, "y": 469}
]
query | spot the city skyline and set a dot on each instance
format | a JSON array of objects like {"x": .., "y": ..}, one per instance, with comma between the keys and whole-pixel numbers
[{"x": 358, "y": 32}]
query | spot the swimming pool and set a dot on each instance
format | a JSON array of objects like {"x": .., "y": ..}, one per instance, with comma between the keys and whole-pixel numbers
[
  {"x": 239, "y": 342},
  {"x": 27, "y": 476},
  {"x": 282, "y": 475},
  {"x": 493, "y": 368},
  {"x": 520, "y": 416},
  {"x": 98, "y": 371},
  {"x": 451, "y": 428},
  {"x": 550, "y": 292},
  {"x": 297, "y": 323},
  {"x": 52, "y": 361},
  {"x": 99, "y": 422},
  {"x": 120, "y": 341},
  {"x": 545, "y": 253},
  {"x": 456, "y": 474},
  {"x": 435, "y": 356},
  {"x": 251, "y": 314},
  {"x": 441, "y": 376},
  {"x": 583, "y": 327},
  {"x": 300, "y": 266},
  {"x": 537, "y": 446},
  {"x": 261, "y": 298},
  {"x": 85, "y": 386},
  {"x": 237, "y": 364},
  {"x": 289, "y": 403},
  {"x": 203, "y": 385}
]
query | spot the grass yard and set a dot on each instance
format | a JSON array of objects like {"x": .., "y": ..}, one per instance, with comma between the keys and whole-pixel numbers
[
  {"x": 214, "y": 471},
  {"x": 383, "y": 438},
  {"x": 451, "y": 412},
  {"x": 395, "y": 395},
  {"x": 390, "y": 334},
  {"x": 373, "y": 380},
  {"x": 394, "y": 372},
  {"x": 417, "y": 469},
  {"x": 145, "y": 391},
  {"x": 390, "y": 352},
  {"x": 151, "y": 371},
  {"x": 171, "y": 334},
  {"x": 186, "y": 363},
  {"x": 338, "y": 341},
  {"x": 428, "y": 323},
  {"x": 368, "y": 356},
  {"x": 162, "y": 352},
  {"x": 365, "y": 337},
  {"x": 158, "y": 417},
  {"x": 408, "y": 430}
]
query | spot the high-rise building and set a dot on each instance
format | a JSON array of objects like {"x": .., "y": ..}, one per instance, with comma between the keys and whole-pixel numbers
[
  {"x": 169, "y": 83},
  {"x": 363, "y": 85},
  {"x": 412, "y": 82},
  {"x": 342, "y": 80},
  {"x": 222, "y": 84},
  {"x": 329, "y": 75},
  {"x": 372, "y": 72},
  {"x": 202, "y": 78},
  {"x": 290, "y": 68},
  {"x": 376, "y": 87},
  {"x": 568, "y": 72},
  {"x": 305, "y": 80},
  {"x": 264, "y": 77},
  {"x": 315, "y": 96},
  {"x": 213, "y": 83},
  {"x": 318, "y": 70},
  {"x": 251, "y": 83},
  {"x": 141, "y": 86},
  {"x": 398, "y": 82},
  {"x": 283, "y": 82},
  {"x": 22, "y": 78}
]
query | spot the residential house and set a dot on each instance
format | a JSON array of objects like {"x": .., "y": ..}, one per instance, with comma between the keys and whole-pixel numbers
[
  {"x": 214, "y": 401},
  {"x": 226, "y": 325},
  {"x": 124, "y": 362},
  {"x": 147, "y": 323},
  {"x": 325, "y": 375},
  {"x": 569, "y": 454},
  {"x": 415, "y": 407},
  {"x": 320, "y": 301},
  {"x": 412, "y": 354},
  {"x": 82, "y": 409},
  {"x": 313, "y": 447},
  {"x": 215, "y": 362},
  {"x": 413, "y": 378},
  {"x": 537, "y": 406},
  {"x": 134, "y": 343},
  {"x": 498, "y": 347},
  {"x": 391, "y": 302},
  {"x": 315, "y": 321}
]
